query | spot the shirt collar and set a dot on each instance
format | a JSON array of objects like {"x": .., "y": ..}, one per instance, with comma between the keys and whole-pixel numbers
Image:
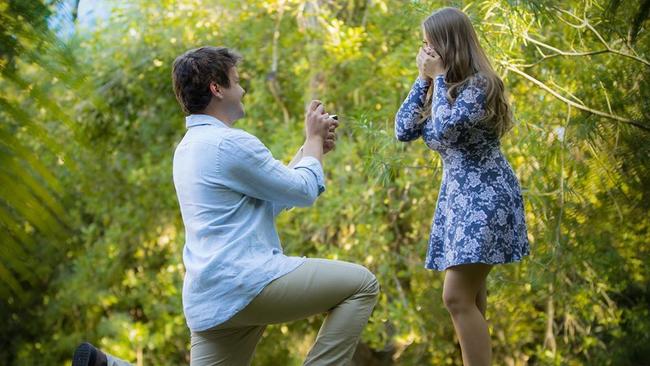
[{"x": 202, "y": 119}]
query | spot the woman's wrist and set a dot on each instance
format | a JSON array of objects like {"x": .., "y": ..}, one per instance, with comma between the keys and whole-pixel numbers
[
  {"x": 424, "y": 78},
  {"x": 424, "y": 81}
]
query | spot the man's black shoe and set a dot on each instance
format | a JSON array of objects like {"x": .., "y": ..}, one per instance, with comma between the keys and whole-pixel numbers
[{"x": 87, "y": 355}]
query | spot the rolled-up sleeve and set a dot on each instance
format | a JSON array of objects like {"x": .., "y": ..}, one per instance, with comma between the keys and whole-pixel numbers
[
  {"x": 312, "y": 165},
  {"x": 247, "y": 166}
]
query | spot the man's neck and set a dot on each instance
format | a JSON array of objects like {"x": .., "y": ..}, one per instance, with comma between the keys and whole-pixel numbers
[{"x": 220, "y": 115}]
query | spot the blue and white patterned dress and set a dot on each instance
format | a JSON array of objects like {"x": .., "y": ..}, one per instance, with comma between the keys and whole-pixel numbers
[{"x": 479, "y": 216}]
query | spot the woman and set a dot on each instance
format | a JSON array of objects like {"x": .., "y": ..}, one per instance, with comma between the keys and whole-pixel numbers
[{"x": 458, "y": 106}]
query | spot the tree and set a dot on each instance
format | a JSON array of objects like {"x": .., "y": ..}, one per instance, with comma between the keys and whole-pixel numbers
[{"x": 91, "y": 123}]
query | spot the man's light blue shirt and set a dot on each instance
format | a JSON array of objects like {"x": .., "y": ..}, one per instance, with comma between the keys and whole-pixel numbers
[{"x": 230, "y": 188}]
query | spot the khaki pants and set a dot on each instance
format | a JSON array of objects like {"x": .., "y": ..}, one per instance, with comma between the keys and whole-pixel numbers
[{"x": 347, "y": 292}]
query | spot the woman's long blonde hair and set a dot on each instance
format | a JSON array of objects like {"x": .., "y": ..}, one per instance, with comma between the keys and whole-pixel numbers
[{"x": 451, "y": 34}]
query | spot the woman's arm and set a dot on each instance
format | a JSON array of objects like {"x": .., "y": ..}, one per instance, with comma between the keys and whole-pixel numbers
[
  {"x": 407, "y": 127},
  {"x": 468, "y": 108}
]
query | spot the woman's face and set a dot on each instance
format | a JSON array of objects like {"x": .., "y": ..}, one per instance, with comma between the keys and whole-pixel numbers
[{"x": 426, "y": 44}]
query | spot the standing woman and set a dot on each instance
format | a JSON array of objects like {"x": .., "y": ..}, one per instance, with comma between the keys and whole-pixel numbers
[{"x": 458, "y": 106}]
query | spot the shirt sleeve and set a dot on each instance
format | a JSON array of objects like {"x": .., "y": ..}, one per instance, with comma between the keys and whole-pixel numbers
[
  {"x": 467, "y": 109},
  {"x": 311, "y": 164},
  {"x": 407, "y": 126},
  {"x": 247, "y": 166}
]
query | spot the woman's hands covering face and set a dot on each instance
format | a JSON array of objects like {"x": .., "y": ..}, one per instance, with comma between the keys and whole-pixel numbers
[{"x": 429, "y": 63}]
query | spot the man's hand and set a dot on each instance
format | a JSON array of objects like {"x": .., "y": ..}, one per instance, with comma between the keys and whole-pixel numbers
[
  {"x": 330, "y": 141},
  {"x": 317, "y": 122},
  {"x": 316, "y": 110},
  {"x": 317, "y": 130}
]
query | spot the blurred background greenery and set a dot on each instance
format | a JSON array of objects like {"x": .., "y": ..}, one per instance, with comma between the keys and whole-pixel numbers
[{"x": 91, "y": 234}]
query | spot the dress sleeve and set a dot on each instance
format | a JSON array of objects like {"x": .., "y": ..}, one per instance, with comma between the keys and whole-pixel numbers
[
  {"x": 449, "y": 119},
  {"x": 407, "y": 127}
]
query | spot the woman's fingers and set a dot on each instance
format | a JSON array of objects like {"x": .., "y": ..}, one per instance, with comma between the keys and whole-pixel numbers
[
  {"x": 431, "y": 52},
  {"x": 421, "y": 55}
]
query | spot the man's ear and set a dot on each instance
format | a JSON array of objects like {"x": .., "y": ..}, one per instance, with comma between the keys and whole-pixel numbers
[{"x": 215, "y": 89}]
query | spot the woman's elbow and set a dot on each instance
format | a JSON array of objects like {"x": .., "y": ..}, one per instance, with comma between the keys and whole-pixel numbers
[
  {"x": 400, "y": 135},
  {"x": 406, "y": 136},
  {"x": 403, "y": 137},
  {"x": 403, "y": 132}
]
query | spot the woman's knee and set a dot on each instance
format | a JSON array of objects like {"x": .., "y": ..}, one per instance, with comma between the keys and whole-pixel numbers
[{"x": 457, "y": 302}]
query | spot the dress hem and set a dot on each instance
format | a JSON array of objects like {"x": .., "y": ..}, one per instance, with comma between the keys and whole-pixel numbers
[{"x": 514, "y": 260}]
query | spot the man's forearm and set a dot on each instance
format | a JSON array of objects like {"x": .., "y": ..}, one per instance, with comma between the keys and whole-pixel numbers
[{"x": 314, "y": 147}]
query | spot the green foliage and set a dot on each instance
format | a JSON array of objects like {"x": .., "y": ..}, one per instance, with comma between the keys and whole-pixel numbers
[{"x": 91, "y": 232}]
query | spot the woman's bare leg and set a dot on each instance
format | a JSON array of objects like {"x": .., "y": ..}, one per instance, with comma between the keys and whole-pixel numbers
[
  {"x": 481, "y": 299},
  {"x": 462, "y": 287}
]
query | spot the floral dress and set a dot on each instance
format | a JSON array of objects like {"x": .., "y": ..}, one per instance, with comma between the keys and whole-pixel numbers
[{"x": 479, "y": 216}]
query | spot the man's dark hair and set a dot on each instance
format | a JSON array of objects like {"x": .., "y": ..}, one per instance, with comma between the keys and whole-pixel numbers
[{"x": 193, "y": 72}]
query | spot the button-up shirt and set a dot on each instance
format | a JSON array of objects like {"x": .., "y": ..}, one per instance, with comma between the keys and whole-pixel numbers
[{"x": 230, "y": 188}]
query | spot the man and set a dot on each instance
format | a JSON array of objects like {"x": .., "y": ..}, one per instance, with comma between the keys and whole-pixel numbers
[{"x": 230, "y": 188}]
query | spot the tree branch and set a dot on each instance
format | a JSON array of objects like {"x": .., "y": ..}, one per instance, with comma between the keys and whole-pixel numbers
[
  {"x": 271, "y": 78},
  {"x": 572, "y": 103},
  {"x": 584, "y": 23},
  {"x": 557, "y": 53}
]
